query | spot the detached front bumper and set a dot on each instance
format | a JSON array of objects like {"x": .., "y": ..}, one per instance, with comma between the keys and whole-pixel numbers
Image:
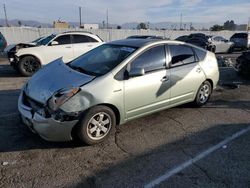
[{"x": 48, "y": 128}]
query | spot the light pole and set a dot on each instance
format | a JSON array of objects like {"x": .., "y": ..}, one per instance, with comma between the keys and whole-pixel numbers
[
  {"x": 107, "y": 18},
  {"x": 80, "y": 16},
  {"x": 5, "y": 13}
]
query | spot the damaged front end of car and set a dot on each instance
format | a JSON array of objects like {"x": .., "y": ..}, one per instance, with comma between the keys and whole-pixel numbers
[
  {"x": 41, "y": 100},
  {"x": 50, "y": 124}
]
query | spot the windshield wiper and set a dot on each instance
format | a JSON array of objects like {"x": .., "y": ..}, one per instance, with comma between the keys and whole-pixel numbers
[{"x": 80, "y": 69}]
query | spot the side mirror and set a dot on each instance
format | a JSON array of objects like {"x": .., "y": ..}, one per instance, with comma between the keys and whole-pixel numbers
[
  {"x": 134, "y": 72},
  {"x": 53, "y": 43}
]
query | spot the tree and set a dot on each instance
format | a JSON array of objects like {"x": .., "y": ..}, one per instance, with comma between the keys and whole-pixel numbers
[
  {"x": 119, "y": 27},
  {"x": 141, "y": 26},
  {"x": 19, "y": 23},
  {"x": 229, "y": 25},
  {"x": 217, "y": 28}
]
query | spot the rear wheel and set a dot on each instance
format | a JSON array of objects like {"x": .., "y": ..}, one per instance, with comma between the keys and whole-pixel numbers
[
  {"x": 96, "y": 125},
  {"x": 28, "y": 65},
  {"x": 203, "y": 94}
]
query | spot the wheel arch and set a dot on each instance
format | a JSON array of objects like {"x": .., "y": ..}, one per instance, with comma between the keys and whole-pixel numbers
[
  {"x": 32, "y": 55},
  {"x": 114, "y": 109},
  {"x": 211, "y": 82}
]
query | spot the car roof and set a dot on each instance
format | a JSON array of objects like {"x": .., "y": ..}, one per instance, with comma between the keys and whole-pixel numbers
[{"x": 134, "y": 42}]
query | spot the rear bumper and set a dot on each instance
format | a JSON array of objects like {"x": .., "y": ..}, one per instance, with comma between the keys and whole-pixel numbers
[{"x": 48, "y": 128}]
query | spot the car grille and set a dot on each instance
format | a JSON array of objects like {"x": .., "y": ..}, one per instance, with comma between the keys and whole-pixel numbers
[{"x": 34, "y": 105}]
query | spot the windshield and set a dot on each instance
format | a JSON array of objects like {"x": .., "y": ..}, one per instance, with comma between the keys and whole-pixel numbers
[
  {"x": 45, "y": 40},
  {"x": 35, "y": 41},
  {"x": 102, "y": 59}
]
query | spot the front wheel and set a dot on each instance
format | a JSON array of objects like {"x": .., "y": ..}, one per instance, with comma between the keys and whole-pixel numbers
[
  {"x": 203, "y": 94},
  {"x": 28, "y": 65},
  {"x": 96, "y": 125}
]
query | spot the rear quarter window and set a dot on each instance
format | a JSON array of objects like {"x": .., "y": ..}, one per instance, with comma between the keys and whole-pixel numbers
[
  {"x": 201, "y": 54},
  {"x": 239, "y": 35}
]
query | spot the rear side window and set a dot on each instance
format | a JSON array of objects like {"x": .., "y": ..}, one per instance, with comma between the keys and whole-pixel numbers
[
  {"x": 201, "y": 54},
  {"x": 83, "y": 39},
  {"x": 239, "y": 35},
  {"x": 181, "y": 55},
  {"x": 152, "y": 59},
  {"x": 64, "y": 39}
]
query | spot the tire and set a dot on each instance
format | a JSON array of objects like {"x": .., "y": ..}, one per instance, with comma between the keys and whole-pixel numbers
[
  {"x": 230, "y": 50},
  {"x": 214, "y": 49},
  {"x": 96, "y": 125},
  {"x": 28, "y": 65},
  {"x": 203, "y": 94}
]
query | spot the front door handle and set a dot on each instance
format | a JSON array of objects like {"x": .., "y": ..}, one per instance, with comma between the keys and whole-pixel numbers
[
  {"x": 68, "y": 47},
  {"x": 198, "y": 70},
  {"x": 165, "y": 79}
]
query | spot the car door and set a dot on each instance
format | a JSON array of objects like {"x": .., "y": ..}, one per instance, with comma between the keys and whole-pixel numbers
[
  {"x": 223, "y": 44},
  {"x": 83, "y": 44},
  {"x": 61, "y": 46},
  {"x": 150, "y": 92},
  {"x": 216, "y": 41},
  {"x": 186, "y": 75}
]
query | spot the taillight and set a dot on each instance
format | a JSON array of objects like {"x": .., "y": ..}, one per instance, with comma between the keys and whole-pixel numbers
[{"x": 5, "y": 44}]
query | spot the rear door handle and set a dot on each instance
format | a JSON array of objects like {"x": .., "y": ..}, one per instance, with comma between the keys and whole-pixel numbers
[
  {"x": 68, "y": 47},
  {"x": 165, "y": 79}
]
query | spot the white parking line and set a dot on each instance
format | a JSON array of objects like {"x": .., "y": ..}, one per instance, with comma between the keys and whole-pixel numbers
[
  {"x": 8, "y": 115},
  {"x": 186, "y": 164}
]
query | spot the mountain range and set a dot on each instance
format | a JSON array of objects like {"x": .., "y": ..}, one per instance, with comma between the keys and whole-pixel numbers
[{"x": 130, "y": 25}]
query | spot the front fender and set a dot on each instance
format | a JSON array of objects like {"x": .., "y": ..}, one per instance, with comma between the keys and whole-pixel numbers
[{"x": 24, "y": 52}]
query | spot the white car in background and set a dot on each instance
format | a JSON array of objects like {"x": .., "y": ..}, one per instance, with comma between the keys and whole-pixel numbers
[
  {"x": 220, "y": 45},
  {"x": 68, "y": 45}
]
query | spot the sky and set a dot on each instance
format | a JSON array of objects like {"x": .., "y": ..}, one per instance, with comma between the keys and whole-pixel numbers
[{"x": 124, "y": 11}]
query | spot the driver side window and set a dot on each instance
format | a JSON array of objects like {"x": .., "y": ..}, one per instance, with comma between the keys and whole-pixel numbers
[
  {"x": 64, "y": 39},
  {"x": 151, "y": 60}
]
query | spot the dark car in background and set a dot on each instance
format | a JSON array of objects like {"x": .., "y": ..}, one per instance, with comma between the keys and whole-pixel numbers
[
  {"x": 183, "y": 38},
  {"x": 146, "y": 37},
  {"x": 197, "y": 39},
  {"x": 243, "y": 64},
  {"x": 201, "y": 42},
  {"x": 241, "y": 40},
  {"x": 216, "y": 44},
  {"x": 3, "y": 42}
]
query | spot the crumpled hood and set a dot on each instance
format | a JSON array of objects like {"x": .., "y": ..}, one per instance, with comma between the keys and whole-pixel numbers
[{"x": 52, "y": 78}]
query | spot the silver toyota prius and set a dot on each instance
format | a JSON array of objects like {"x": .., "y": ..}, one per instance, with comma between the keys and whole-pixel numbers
[{"x": 115, "y": 83}]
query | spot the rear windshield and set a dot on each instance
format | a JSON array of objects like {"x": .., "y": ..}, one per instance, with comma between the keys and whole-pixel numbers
[{"x": 240, "y": 35}]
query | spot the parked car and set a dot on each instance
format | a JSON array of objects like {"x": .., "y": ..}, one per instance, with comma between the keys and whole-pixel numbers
[
  {"x": 3, "y": 42},
  {"x": 200, "y": 42},
  {"x": 68, "y": 45},
  {"x": 220, "y": 45},
  {"x": 146, "y": 37},
  {"x": 199, "y": 35},
  {"x": 115, "y": 83},
  {"x": 243, "y": 64},
  {"x": 183, "y": 38},
  {"x": 241, "y": 40},
  {"x": 197, "y": 39},
  {"x": 12, "y": 49}
]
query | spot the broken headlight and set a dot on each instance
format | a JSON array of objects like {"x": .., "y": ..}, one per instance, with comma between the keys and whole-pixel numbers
[{"x": 61, "y": 97}]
